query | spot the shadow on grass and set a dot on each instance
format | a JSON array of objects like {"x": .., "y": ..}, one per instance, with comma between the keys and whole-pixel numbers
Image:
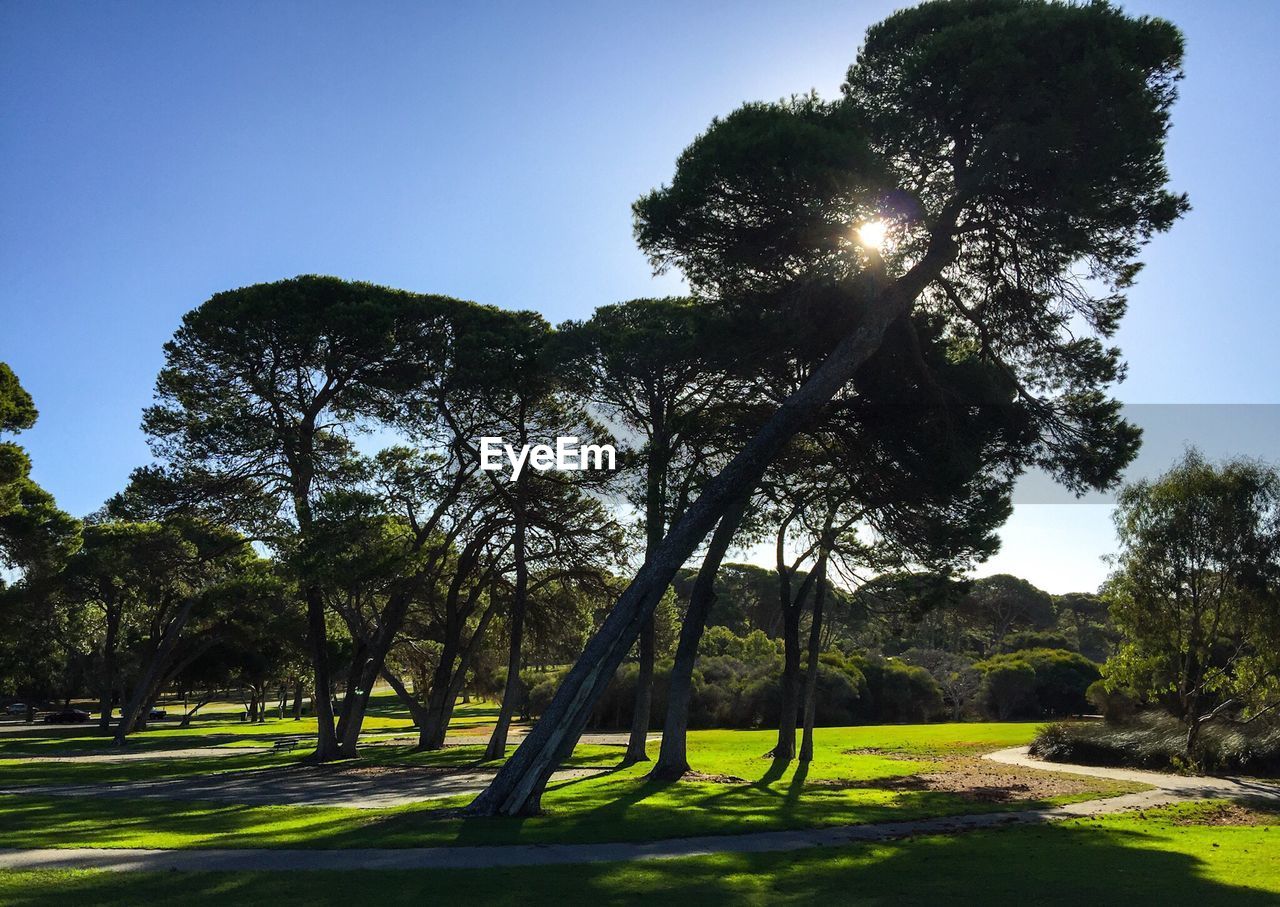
[{"x": 1042, "y": 865}]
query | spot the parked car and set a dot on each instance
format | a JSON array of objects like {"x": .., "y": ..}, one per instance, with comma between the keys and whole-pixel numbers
[
  {"x": 156, "y": 714},
  {"x": 16, "y": 708},
  {"x": 67, "y": 716}
]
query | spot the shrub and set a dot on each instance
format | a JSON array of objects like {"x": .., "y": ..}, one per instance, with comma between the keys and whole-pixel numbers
[
  {"x": 1157, "y": 741},
  {"x": 1036, "y": 639},
  {"x": 1115, "y": 705},
  {"x": 1055, "y": 687},
  {"x": 897, "y": 692},
  {"x": 737, "y": 684},
  {"x": 1009, "y": 690}
]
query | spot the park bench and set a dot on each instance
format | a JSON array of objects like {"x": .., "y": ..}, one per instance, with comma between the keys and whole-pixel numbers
[{"x": 284, "y": 746}]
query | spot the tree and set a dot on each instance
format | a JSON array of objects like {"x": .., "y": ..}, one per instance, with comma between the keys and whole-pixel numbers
[
  {"x": 1083, "y": 617},
  {"x": 958, "y": 679},
  {"x": 1195, "y": 589},
  {"x": 17, "y": 412},
  {"x": 999, "y": 605},
  {"x": 36, "y": 538},
  {"x": 651, "y": 367},
  {"x": 123, "y": 568},
  {"x": 260, "y": 392},
  {"x": 1026, "y": 140}
]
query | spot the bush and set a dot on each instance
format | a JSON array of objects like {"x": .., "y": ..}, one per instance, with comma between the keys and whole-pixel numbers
[
  {"x": 1157, "y": 741},
  {"x": 1036, "y": 639},
  {"x": 1116, "y": 706},
  {"x": 898, "y": 693},
  {"x": 1009, "y": 691},
  {"x": 737, "y": 684},
  {"x": 1036, "y": 682}
]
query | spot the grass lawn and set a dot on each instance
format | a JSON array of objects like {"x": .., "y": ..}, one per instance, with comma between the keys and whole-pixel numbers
[
  {"x": 1151, "y": 859},
  {"x": 848, "y": 782}
]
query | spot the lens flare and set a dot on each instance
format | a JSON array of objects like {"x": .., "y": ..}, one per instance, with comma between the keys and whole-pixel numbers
[{"x": 872, "y": 234}]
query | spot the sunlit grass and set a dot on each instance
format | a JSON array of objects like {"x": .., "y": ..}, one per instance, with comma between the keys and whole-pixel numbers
[{"x": 751, "y": 794}]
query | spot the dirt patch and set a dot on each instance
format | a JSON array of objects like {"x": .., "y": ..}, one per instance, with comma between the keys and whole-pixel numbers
[
  {"x": 713, "y": 778},
  {"x": 1225, "y": 814},
  {"x": 886, "y": 754},
  {"x": 988, "y": 782}
]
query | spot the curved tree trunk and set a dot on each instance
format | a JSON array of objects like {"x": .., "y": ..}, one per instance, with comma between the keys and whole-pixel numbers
[
  {"x": 517, "y": 787},
  {"x": 673, "y": 759},
  {"x": 133, "y": 714}
]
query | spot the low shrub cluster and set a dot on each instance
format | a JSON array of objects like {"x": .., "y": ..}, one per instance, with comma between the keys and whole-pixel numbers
[{"x": 1154, "y": 740}]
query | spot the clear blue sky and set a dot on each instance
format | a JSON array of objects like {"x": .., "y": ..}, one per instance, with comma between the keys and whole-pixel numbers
[{"x": 154, "y": 153}]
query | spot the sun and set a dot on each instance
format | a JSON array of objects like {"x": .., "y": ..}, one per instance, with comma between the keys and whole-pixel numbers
[{"x": 872, "y": 234}]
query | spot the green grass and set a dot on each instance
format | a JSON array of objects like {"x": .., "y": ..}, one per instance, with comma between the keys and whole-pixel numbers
[
  {"x": 838, "y": 787},
  {"x": 1122, "y": 859}
]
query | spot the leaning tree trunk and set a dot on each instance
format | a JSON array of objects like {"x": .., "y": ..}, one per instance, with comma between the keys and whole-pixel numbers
[
  {"x": 146, "y": 689},
  {"x": 811, "y": 670},
  {"x": 517, "y": 787},
  {"x": 416, "y": 709},
  {"x": 673, "y": 758},
  {"x": 511, "y": 692}
]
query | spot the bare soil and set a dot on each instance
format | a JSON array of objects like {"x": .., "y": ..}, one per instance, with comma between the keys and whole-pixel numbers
[
  {"x": 1226, "y": 814},
  {"x": 987, "y": 782}
]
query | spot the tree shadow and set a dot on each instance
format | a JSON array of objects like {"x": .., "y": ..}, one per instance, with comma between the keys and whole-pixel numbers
[{"x": 1044, "y": 865}]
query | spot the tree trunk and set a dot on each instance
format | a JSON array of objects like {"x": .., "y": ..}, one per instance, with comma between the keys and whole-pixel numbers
[
  {"x": 517, "y": 787},
  {"x": 109, "y": 666},
  {"x": 447, "y": 683},
  {"x": 191, "y": 713},
  {"x": 637, "y": 743},
  {"x": 815, "y": 649},
  {"x": 673, "y": 759},
  {"x": 148, "y": 685},
  {"x": 365, "y": 675},
  {"x": 297, "y": 700},
  {"x": 415, "y": 708},
  {"x": 655, "y": 527},
  {"x": 322, "y": 704},
  {"x": 497, "y": 747},
  {"x": 785, "y": 749}
]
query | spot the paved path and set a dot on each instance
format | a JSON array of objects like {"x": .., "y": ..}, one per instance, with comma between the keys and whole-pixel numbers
[
  {"x": 1171, "y": 788},
  {"x": 356, "y": 787},
  {"x": 140, "y": 755},
  {"x": 1166, "y": 789}
]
